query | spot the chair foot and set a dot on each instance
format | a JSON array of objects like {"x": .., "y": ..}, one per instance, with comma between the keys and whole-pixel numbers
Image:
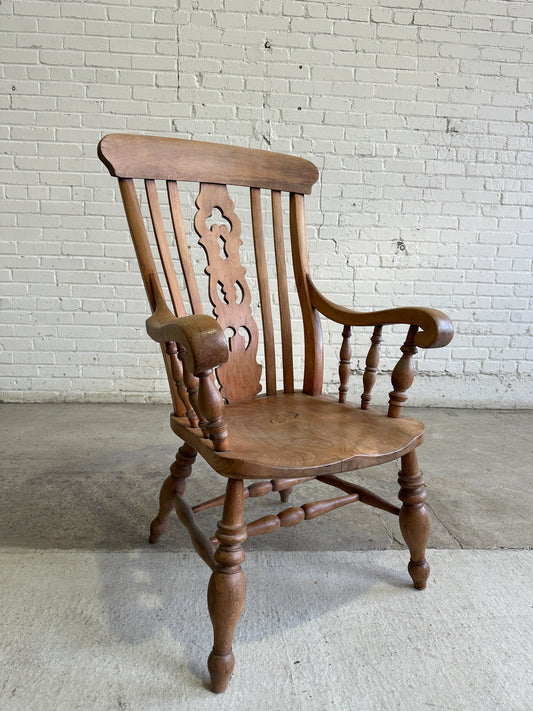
[
  {"x": 226, "y": 594},
  {"x": 173, "y": 484},
  {"x": 419, "y": 572},
  {"x": 227, "y": 586},
  {"x": 220, "y": 669},
  {"x": 415, "y": 523},
  {"x": 157, "y": 529}
]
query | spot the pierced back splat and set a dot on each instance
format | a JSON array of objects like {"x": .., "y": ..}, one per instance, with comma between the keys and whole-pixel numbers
[{"x": 229, "y": 293}]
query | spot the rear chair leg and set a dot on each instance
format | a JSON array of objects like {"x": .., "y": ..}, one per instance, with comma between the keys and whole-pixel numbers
[
  {"x": 175, "y": 483},
  {"x": 227, "y": 587},
  {"x": 414, "y": 519},
  {"x": 284, "y": 494}
]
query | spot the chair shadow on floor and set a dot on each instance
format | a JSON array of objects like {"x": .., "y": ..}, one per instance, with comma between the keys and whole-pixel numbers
[
  {"x": 107, "y": 500},
  {"x": 164, "y": 591}
]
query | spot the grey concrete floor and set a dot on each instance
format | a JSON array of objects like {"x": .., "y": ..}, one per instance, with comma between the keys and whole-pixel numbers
[{"x": 87, "y": 476}]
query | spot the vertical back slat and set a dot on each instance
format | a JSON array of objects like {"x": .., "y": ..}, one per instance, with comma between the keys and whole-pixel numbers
[
  {"x": 183, "y": 247},
  {"x": 147, "y": 266},
  {"x": 264, "y": 290},
  {"x": 314, "y": 353},
  {"x": 163, "y": 248},
  {"x": 284, "y": 309},
  {"x": 139, "y": 236}
]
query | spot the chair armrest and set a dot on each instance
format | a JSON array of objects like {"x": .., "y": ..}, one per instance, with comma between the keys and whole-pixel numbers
[
  {"x": 200, "y": 335},
  {"x": 436, "y": 329}
]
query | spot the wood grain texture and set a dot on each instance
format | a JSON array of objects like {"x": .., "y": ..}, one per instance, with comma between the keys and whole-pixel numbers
[
  {"x": 296, "y": 514},
  {"x": 289, "y": 483},
  {"x": 146, "y": 262},
  {"x": 200, "y": 335},
  {"x": 174, "y": 484},
  {"x": 436, "y": 329},
  {"x": 365, "y": 496},
  {"x": 371, "y": 368},
  {"x": 314, "y": 348},
  {"x": 415, "y": 523},
  {"x": 258, "y": 488},
  {"x": 403, "y": 375},
  {"x": 264, "y": 290},
  {"x": 314, "y": 509},
  {"x": 192, "y": 386},
  {"x": 211, "y": 405},
  {"x": 345, "y": 359},
  {"x": 158, "y": 158},
  {"x": 183, "y": 249},
  {"x": 163, "y": 248},
  {"x": 227, "y": 586},
  {"x": 177, "y": 374},
  {"x": 139, "y": 237},
  {"x": 200, "y": 540},
  {"x": 301, "y": 435},
  {"x": 285, "y": 494},
  {"x": 229, "y": 294},
  {"x": 283, "y": 294}
]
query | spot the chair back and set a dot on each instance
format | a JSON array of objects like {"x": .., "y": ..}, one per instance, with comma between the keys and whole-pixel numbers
[{"x": 162, "y": 164}]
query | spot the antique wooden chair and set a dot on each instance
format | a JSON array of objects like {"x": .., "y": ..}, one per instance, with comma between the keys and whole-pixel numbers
[{"x": 281, "y": 438}]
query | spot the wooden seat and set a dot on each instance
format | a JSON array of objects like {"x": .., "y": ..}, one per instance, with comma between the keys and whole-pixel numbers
[
  {"x": 249, "y": 419},
  {"x": 298, "y": 434}
]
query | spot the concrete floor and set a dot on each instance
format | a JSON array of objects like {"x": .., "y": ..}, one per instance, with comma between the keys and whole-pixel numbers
[{"x": 87, "y": 476}]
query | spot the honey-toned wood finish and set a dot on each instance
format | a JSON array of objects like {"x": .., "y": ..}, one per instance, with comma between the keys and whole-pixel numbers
[
  {"x": 436, "y": 329},
  {"x": 403, "y": 374},
  {"x": 298, "y": 434},
  {"x": 279, "y": 439},
  {"x": 158, "y": 158},
  {"x": 283, "y": 296},
  {"x": 173, "y": 484},
  {"x": 227, "y": 587},
  {"x": 229, "y": 294},
  {"x": 371, "y": 368},
  {"x": 345, "y": 363},
  {"x": 415, "y": 524}
]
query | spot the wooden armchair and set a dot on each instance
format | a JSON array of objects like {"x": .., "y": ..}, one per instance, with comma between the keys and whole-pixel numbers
[{"x": 281, "y": 438}]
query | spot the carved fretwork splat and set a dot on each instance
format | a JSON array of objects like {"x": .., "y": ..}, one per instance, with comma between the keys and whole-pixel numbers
[{"x": 229, "y": 293}]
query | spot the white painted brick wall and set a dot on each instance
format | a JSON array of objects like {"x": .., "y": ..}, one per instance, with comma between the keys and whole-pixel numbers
[{"x": 417, "y": 112}]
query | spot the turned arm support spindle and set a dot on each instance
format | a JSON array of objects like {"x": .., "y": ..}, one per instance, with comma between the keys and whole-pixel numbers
[
  {"x": 344, "y": 363},
  {"x": 371, "y": 369},
  {"x": 202, "y": 347},
  {"x": 211, "y": 405},
  {"x": 191, "y": 385},
  {"x": 403, "y": 374},
  {"x": 428, "y": 328},
  {"x": 177, "y": 373}
]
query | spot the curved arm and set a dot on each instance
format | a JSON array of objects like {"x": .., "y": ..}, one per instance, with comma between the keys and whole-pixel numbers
[
  {"x": 200, "y": 335},
  {"x": 436, "y": 329}
]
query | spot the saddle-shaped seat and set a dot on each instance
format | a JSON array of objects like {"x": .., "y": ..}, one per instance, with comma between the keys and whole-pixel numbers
[{"x": 296, "y": 434}]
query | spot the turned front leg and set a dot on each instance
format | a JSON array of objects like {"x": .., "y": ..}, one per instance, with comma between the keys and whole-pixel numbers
[
  {"x": 415, "y": 523},
  {"x": 175, "y": 483},
  {"x": 227, "y": 587}
]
